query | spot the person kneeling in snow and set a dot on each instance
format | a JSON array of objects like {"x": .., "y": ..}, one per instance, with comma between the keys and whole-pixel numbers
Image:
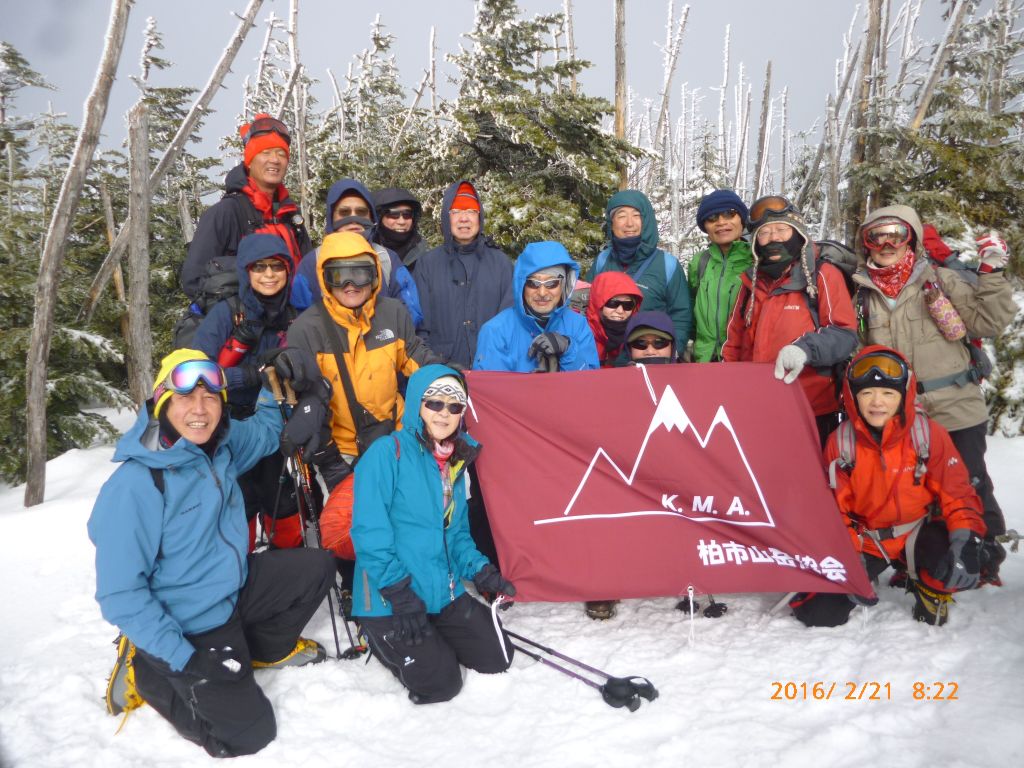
[
  {"x": 413, "y": 548},
  {"x": 893, "y": 466},
  {"x": 196, "y": 615}
]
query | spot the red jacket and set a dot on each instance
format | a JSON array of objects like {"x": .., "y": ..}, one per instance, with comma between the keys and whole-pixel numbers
[
  {"x": 880, "y": 492},
  {"x": 782, "y": 316},
  {"x": 607, "y": 285}
]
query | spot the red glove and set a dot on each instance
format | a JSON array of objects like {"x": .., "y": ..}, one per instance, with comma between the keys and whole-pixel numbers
[{"x": 992, "y": 252}]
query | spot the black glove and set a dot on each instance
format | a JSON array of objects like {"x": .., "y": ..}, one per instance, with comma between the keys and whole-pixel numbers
[
  {"x": 305, "y": 427},
  {"x": 250, "y": 374},
  {"x": 333, "y": 468},
  {"x": 489, "y": 579},
  {"x": 293, "y": 364},
  {"x": 408, "y": 611},
  {"x": 248, "y": 333},
  {"x": 549, "y": 343},
  {"x": 216, "y": 664},
  {"x": 960, "y": 567}
]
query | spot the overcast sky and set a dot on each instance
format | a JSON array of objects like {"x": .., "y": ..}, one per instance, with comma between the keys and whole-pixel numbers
[{"x": 63, "y": 40}]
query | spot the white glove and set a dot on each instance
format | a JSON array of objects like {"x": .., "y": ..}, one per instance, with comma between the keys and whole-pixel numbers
[
  {"x": 789, "y": 363},
  {"x": 992, "y": 252}
]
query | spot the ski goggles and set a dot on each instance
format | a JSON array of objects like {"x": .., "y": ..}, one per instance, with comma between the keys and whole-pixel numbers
[
  {"x": 644, "y": 343},
  {"x": 771, "y": 204},
  {"x": 340, "y": 275},
  {"x": 881, "y": 369},
  {"x": 186, "y": 376},
  {"x": 265, "y": 125},
  {"x": 626, "y": 304},
  {"x": 439, "y": 405},
  {"x": 550, "y": 284},
  {"x": 892, "y": 232}
]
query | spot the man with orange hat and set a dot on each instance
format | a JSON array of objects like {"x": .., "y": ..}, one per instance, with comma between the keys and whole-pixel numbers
[
  {"x": 463, "y": 283},
  {"x": 255, "y": 200}
]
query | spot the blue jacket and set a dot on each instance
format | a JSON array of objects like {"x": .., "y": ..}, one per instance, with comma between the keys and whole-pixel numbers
[
  {"x": 217, "y": 327},
  {"x": 505, "y": 341},
  {"x": 398, "y": 519},
  {"x": 172, "y": 564},
  {"x": 399, "y": 282},
  {"x": 461, "y": 288}
]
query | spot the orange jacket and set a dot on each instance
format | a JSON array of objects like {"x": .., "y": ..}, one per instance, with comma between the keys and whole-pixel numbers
[
  {"x": 880, "y": 492},
  {"x": 782, "y": 316}
]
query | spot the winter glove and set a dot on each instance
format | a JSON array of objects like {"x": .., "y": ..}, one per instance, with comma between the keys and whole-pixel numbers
[
  {"x": 960, "y": 567},
  {"x": 789, "y": 363},
  {"x": 216, "y": 664},
  {"x": 250, "y": 374},
  {"x": 293, "y": 364},
  {"x": 305, "y": 427},
  {"x": 333, "y": 468},
  {"x": 489, "y": 579},
  {"x": 992, "y": 252},
  {"x": 248, "y": 333},
  {"x": 408, "y": 611},
  {"x": 549, "y": 343}
]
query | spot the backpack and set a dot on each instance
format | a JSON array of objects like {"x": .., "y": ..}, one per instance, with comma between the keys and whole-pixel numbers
[
  {"x": 671, "y": 264},
  {"x": 846, "y": 442},
  {"x": 186, "y": 326}
]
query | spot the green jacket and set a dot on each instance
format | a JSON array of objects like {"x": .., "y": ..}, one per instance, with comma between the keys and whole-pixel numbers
[{"x": 714, "y": 294}]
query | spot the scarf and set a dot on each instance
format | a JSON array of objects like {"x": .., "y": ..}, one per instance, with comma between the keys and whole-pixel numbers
[{"x": 891, "y": 279}]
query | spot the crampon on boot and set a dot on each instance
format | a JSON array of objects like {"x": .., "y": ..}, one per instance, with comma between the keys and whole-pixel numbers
[
  {"x": 122, "y": 695},
  {"x": 305, "y": 652},
  {"x": 930, "y": 606}
]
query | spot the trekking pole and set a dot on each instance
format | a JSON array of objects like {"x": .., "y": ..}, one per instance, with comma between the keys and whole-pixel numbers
[
  {"x": 618, "y": 688},
  {"x": 304, "y": 496},
  {"x": 630, "y": 702}
]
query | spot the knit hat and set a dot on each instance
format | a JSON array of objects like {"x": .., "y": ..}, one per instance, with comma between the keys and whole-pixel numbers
[
  {"x": 264, "y": 132},
  {"x": 466, "y": 198},
  {"x": 446, "y": 386},
  {"x": 720, "y": 201},
  {"x": 655, "y": 323},
  {"x": 162, "y": 389}
]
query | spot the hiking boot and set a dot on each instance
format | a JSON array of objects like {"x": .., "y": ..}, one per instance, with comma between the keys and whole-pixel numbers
[
  {"x": 305, "y": 652},
  {"x": 122, "y": 695},
  {"x": 601, "y": 610},
  {"x": 930, "y": 606},
  {"x": 898, "y": 580},
  {"x": 345, "y": 609}
]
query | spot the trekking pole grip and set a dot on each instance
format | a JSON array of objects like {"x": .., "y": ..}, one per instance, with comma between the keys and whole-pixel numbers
[
  {"x": 289, "y": 393},
  {"x": 275, "y": 384}
]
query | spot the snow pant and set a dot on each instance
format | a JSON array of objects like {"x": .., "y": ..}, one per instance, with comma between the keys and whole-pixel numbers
[
  {"x": 463, "y": 633},
  {"x": 281, "y": 592},
  {"x": 479, "y": 525},
  {"x": 826, "y": 424},
  {"x": 269, "y": 493},
  {"x": 828, "y": 609},
  {"x": 971, "y": 444}
]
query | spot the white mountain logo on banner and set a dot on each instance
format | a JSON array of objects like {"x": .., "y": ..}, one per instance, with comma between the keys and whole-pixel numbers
[{"x": 713, "y": 483}]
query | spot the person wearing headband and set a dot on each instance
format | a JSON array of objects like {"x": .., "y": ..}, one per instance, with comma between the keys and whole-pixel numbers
[
  {"x": 414, "y": 550},
  {"x": 897, "y": 289},
  {"x": 195, "y": 612},
  {"x": 255, "y": 200},
  {"x": 891, "y": 467}
]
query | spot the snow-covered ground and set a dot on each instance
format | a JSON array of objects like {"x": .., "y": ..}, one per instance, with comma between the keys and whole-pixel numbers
[{"x": 716, "y": 705}]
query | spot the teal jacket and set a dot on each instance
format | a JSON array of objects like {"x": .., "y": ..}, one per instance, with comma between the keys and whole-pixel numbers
[
  {"x": 657, "y": 272},
  {"x": 714, "y": 294},
  {"x": 398, "y": 521}
]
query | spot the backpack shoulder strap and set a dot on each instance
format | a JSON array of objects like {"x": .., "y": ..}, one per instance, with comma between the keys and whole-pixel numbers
[
  {"x": 671, "y": 265},
  {"x": 600, "y": 261},
  {"x": 702, "y": 265},
  {"x": 249, "y": 219},
  {"x": 846, "y": 442},
  {"x": 158, "y": 479},
  {"x": 920, "y": 438}
]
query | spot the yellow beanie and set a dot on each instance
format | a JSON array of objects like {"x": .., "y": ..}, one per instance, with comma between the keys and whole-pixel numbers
[{"x": 161, "y": 392}]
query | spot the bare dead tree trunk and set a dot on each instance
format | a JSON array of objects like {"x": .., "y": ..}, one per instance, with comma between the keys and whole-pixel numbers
[
  {"x": 433, "y": 72},
  {"x": 339, "y": 107},
  {"x": 188, "y": 228},
  {"x": 37, "y": 361},
  {"x": 763, "y": 132},
  {"x": 299, "y": 102},
  {"x": 173, "y": 150},
  {"x": 739, "y": 181},
  {"x": 855, "y": 203},
  {"x": 140, "y": 338},
  {"x": 722, "y": 157},
  {"x": 108, "y": 216},
  {"x": 784, "y": 143},
  {"x": 620, "y": 81},
  {"x": 673, "y": 42},
  {"x": 412, "y": 109},
  {"x": 570, "y": 44},
  {"x": 952, "y": 30}
]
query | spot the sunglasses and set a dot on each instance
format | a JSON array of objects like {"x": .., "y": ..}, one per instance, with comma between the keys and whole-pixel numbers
[
  {"x": 274, "y": 265},
  {"x": 339, "y": 276},
  {"x": 879, "y": 367},
  {"x": 344, "y": 212},
  {"x": 551, "y": 284},
  {"x": 439, "y": 405},
  {"x": 881, "y": 234},
  {"x": 407, "y": 215},
  {"x": 644, "y": 343},
  {"x": 266, "y": 125},
  {"x": 769, "y": 204},
  {"x": 626, "y": 304},
  {"x": 721, "y": 215}
]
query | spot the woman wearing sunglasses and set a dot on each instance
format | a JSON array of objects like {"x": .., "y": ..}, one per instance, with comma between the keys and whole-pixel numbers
[
  {"x": 236, "y": 333},
  {"x": 893, "y": 308},
  {"x": 649, "y": 339},
  {"x": 614, "y": 299},
  {"x": 413, "y": 547},
  {"x": 893, "y": 466},
  {"x": 196, "y": 614}
]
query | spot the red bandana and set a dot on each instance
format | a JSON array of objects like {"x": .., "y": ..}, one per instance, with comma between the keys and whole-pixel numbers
[{"x": 891, "y": 279}]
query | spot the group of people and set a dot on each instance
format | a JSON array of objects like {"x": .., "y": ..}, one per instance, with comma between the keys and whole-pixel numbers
[{"x": 373, "y": 330}]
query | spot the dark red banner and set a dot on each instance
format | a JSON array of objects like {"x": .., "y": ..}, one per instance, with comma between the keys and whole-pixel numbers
[{"x": 640, "y": 482}]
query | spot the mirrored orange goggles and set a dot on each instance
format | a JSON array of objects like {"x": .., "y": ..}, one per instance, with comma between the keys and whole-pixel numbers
[
  {"x": 881, "y": 368},
  {"x": 891, "y": 232},
  {"x": 769, "y": 204}
]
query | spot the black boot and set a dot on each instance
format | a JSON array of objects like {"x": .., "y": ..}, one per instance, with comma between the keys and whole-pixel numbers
[{"x": 930, "y": 606}]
